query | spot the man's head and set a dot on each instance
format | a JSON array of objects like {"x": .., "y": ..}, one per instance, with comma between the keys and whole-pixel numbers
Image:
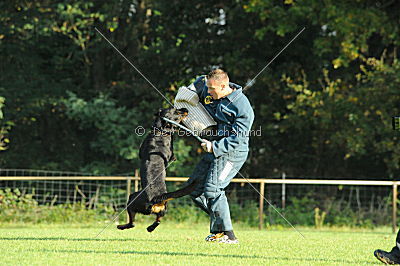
[{"x": 218, "y": 84}]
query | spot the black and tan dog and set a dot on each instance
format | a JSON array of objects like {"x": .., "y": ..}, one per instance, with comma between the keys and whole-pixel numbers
[{"x": 155, "y": 152}]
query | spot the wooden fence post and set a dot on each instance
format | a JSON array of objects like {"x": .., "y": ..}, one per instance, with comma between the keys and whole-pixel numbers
[
  {"x": 394, "y": 209},
  {"x": 128, "y": 191},
  {"x": 137, "y": 177},
  {"x": 261, "y": 203},
  {"x": 128, "y": 186}
]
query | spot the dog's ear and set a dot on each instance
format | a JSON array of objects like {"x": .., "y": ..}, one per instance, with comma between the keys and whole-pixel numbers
[
  {"x": 158, "y": 122},
  {"x": 158, "y": 114}
]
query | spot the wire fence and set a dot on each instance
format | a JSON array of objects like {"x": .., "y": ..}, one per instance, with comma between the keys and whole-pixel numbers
[
  {"x": 56, "y": 187},
  {"x": 301, "y": 201}
]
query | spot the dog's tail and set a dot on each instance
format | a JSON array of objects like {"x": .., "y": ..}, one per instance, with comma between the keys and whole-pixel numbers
[
  {"x": 176, "y": 194},
  {"x": 183, "y": 191}
]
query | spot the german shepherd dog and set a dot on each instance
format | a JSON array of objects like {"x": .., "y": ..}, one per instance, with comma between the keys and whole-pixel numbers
[{"x": 155, "y": 153}]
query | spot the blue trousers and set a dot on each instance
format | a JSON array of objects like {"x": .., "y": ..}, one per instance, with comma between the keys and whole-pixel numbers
[{"x": 215, "y": 174}]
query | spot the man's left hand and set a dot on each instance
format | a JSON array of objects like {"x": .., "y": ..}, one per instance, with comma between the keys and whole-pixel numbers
[{"x": 207, "y": 146}]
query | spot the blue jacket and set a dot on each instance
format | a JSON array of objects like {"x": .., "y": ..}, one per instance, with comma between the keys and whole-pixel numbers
[{"x": 233, "y": 114}]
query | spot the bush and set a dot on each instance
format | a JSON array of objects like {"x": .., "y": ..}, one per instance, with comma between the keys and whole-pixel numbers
[
  {"x": 17, "y": 207},
  {"x": 246, "y": 214}
]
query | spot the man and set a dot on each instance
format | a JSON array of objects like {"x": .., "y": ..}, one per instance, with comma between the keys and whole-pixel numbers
[
  {"x": 224, "y": 156},
  {"x": 392, "y": 257}
]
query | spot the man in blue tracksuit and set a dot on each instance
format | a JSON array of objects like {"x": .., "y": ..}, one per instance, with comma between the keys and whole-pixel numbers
[{"x": 234, "y": 115}]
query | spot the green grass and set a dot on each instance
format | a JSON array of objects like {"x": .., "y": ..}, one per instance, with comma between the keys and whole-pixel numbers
[{"x": 184, "y": 245}]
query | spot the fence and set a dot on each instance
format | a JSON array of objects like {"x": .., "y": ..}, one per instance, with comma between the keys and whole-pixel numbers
[{"x": 276, "y": 191}]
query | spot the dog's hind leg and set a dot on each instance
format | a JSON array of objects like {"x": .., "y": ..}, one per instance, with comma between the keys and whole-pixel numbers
[
  {"x": 155, "y": 224},
  {"x": 130, "y": 224}
]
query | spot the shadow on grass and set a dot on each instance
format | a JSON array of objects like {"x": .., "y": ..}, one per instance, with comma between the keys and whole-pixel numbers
[
  {"x": 166, "y": 253},
  {"x": 79, "y": 239},
  {"x": 328, "y": 231}
]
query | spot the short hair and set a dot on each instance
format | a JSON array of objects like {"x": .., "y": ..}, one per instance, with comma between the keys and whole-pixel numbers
[{"x": 218, "y": 74}]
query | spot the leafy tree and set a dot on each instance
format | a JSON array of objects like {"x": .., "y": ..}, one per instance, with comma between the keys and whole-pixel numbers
[
  {"x": 321, "y": 117},
  {"x": 4, "y": 127},
  {"x": 324, "y": 105}
]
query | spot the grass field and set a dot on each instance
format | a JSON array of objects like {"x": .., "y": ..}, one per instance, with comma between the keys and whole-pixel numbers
[{"x": 184, "y": 245}]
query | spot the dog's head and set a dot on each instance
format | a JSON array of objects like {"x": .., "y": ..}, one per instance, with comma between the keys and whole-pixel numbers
[{"x": 176, "y": 115}]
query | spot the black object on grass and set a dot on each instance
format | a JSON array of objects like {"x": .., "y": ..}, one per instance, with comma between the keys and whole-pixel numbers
[{"x": 396, "y": 122}]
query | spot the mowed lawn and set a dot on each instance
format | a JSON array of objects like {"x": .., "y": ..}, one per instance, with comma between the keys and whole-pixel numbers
[{"x": 184, "y": 245}]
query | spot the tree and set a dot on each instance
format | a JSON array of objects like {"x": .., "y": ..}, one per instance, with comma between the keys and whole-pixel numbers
[
  {"x": 4, "y": 128},
  {"x": 323, "y": 105}
]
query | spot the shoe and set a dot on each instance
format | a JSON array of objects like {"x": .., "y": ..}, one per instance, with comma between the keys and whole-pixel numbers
[
  {"x": 225, "y": 239},
  {"x": 392, "y": 257},
  {"x": 214, "y": 237}
]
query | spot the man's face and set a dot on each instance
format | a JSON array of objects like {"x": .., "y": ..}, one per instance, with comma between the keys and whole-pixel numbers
[{"x": 216, "y": 88}]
